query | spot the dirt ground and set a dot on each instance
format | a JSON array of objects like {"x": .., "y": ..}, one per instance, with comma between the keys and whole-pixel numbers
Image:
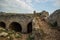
[{"x": 24, "y": 37}]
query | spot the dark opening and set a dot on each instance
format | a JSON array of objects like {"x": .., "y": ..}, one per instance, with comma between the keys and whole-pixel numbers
[
  {"x": 29, "y": 27},
  {"x": 2, "y": 24},
  {"x": 15, "y": 26},
  {"x": 55, "y": 23}
]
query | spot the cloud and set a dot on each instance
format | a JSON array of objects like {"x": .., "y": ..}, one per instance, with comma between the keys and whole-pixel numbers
[
  {"x": 15, "y": 6},
  {"x": 56, "y": 3},
  {"x": 24, "y": 5},
  {"x": 41, "y": 1},
  {"x": 29, "y": 2}
]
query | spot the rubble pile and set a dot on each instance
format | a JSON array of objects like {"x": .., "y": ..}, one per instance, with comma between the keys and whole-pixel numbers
[{"x": 9, "y": 34}]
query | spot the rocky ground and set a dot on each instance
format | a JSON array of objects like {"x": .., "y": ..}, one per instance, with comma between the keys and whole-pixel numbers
[{"x": 11, "y": 35}]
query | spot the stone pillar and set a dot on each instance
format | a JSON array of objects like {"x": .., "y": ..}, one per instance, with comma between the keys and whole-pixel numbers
[
  {"x": 7, "y": 26},
  {"x": 34, "y": 13},
  {"x": 24, "y": 28}
]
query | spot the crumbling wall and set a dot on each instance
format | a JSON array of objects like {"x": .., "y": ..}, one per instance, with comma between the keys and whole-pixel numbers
[
  {"x": 43, "y": 30},
  {"x": 22, "y": 19}
]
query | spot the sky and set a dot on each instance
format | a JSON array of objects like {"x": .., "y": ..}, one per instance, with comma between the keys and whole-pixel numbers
[{"x": 28, "y": 6}]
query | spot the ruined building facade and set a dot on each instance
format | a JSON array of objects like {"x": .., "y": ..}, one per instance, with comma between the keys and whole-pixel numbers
[{"x": 18, "y": 22}]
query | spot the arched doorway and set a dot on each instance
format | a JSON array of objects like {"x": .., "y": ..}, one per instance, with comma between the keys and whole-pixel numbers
[
  {"x": 15, "y": 26},
  {"x": 55, "y": 23},
  {"x": 29, "y": 27},
  {"x": 2, "y": 24}
]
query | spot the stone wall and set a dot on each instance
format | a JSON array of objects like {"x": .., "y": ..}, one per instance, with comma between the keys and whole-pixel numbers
[{"x": 22, "y": 19}]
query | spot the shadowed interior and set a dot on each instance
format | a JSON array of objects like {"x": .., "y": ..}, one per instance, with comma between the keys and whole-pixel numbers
[
  {"x": 15, "y": 26},
  {"x": 2, "y": 24},
  {"x": 29, "y": 27}
]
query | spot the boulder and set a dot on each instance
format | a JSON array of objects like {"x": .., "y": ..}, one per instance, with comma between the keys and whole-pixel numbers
[{"x": 3, "y": 34}]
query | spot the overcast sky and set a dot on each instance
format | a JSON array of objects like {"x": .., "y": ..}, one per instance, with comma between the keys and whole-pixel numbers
[{"x": 28, "y": 6}]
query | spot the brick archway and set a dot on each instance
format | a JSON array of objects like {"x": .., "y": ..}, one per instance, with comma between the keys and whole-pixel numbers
[
  {"x": 2, "y": 24},
  {"x": 29, "y": 27},
  {"x": 15, "y": 26}
]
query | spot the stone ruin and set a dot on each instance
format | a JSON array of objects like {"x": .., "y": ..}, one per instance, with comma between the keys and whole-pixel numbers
[
  {"x": 28, "y": 23},
  {"x": 18, "y": 22}
]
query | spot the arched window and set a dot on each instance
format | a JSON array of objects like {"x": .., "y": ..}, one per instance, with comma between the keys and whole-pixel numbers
[
  {"x": 29, "y": 27},
  {"x": 15, "y": 26},
  {"x": 2, "y": 24}
]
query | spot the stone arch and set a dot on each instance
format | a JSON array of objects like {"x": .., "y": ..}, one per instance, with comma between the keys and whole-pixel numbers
[
  {"x": 29, "y": 27},
  {"x": 15, "y": 26},
  {"x": 2, "y": 24}
]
